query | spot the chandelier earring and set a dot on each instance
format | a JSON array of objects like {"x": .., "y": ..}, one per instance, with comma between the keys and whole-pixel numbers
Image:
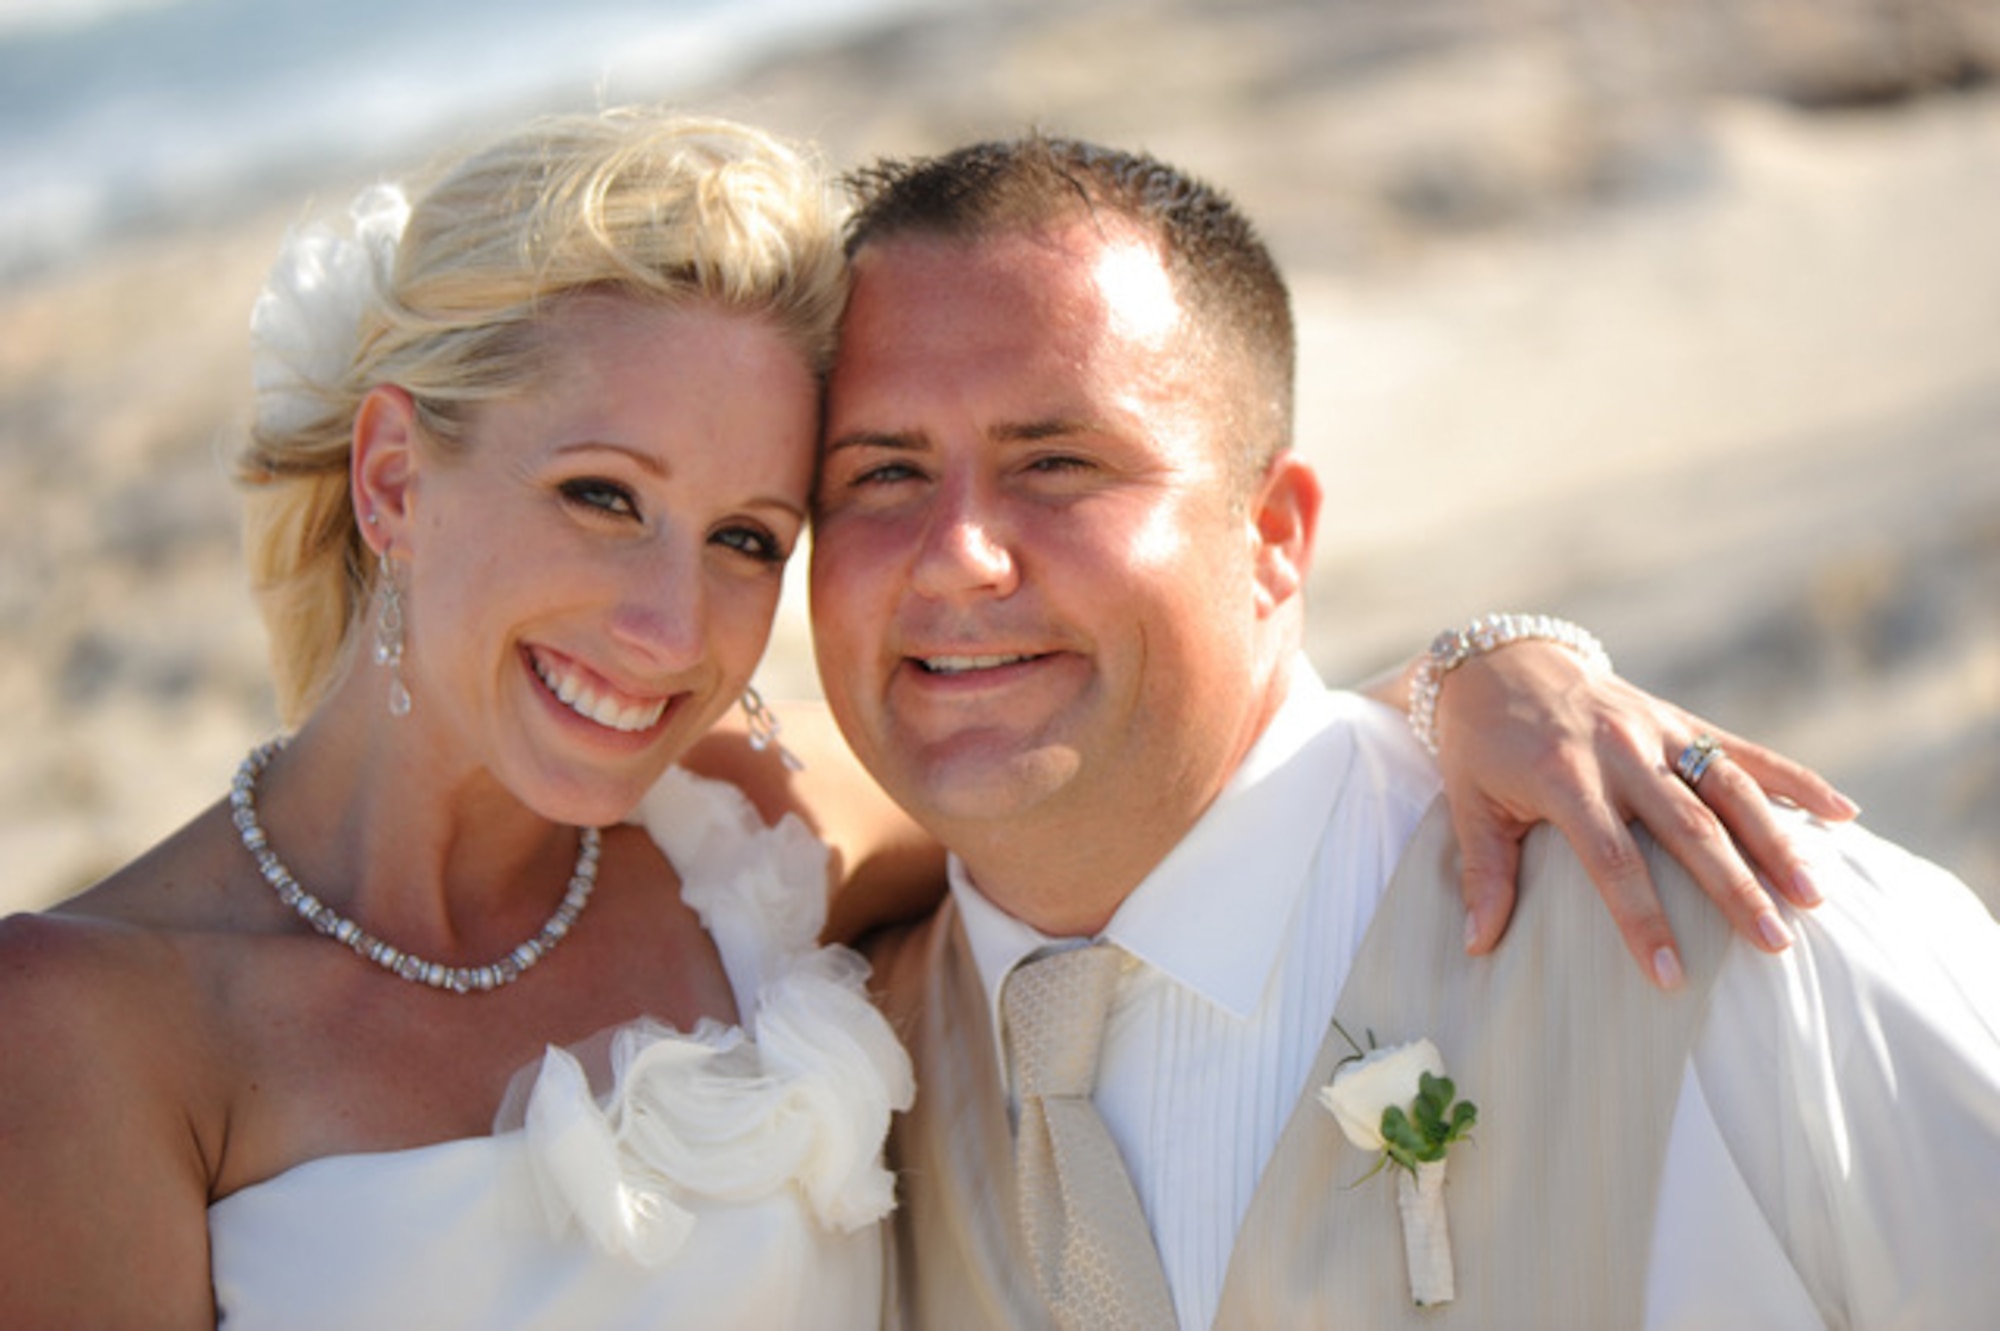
[
  {"x": 389, "y": 632},
  {"x": 764, "y": 728}
]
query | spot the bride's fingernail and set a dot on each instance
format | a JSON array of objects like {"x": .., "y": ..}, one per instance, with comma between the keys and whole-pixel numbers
[
  {"x": 1773, "y": 931},
  {"x": 1804, "y": 890},
  {"x": 1667, "y": 969},
  {"x": 1471, "y": 930}
]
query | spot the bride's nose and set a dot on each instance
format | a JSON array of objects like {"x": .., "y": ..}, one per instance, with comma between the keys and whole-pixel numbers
[{"x": 661, "y": 612}]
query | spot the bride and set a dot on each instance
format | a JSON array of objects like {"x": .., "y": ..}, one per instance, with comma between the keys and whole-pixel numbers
[{"x": 467, "y": 1006}]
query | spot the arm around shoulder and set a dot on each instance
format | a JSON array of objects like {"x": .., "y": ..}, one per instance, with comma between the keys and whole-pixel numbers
[{"x": 103, "y": 1211}]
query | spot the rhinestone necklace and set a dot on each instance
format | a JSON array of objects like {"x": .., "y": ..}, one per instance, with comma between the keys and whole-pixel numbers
[{"x": 458, "y": 979}]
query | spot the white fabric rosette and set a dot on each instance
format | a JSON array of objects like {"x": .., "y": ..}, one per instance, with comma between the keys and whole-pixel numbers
[
  {"x": 307, "y": 320},
  {"x": 798, "y": 1098}
]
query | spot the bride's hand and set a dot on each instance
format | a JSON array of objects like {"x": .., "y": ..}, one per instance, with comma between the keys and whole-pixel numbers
[{"x": 1526, "y": 734}]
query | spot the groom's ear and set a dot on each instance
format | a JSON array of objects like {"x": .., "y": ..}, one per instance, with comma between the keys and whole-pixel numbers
[
  {"x": 1283, "y": 520},
  {"x": 383, "y": 468}
]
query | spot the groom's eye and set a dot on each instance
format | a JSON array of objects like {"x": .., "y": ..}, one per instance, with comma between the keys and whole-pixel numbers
[{"x": 887, "y": 473}]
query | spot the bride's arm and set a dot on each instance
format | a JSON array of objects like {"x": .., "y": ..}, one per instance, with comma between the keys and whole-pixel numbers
[{"x": 1527, "y": 734}]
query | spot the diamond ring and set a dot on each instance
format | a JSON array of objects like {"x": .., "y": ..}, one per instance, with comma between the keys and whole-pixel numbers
[{"x": 1695, "y": 759}]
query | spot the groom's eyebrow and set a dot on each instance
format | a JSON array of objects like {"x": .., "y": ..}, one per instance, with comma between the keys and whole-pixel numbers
[
  {"x": 1007, "y": 432},
  {"x": 1029, "y": 432},
  {"x": 902, "y": 441}
]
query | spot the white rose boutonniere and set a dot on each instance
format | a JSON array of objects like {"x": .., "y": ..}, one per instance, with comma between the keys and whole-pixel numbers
[{"x": 1399, "y": 1102}]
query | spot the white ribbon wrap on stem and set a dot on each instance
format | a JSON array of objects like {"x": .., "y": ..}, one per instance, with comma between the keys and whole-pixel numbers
[{"x": 1426, "y": 1236}]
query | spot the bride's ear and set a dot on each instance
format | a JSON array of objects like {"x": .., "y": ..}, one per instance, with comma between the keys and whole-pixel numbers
[{"x": 383, "y": 467}]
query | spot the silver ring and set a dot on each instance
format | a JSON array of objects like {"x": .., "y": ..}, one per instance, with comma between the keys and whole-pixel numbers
[{"x": 1695, "y": 759}]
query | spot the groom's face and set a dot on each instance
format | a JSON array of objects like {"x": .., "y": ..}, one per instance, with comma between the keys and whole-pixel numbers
[{"x": 1032, "y": 583}]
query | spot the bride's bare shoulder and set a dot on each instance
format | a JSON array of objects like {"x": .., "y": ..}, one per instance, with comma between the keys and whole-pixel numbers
[
  {"x": 106, "y": 1035},
  {"x": 117, "y": 972}
]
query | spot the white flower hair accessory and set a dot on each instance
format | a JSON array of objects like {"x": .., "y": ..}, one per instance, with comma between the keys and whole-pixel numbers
[
  {"x": 1399, "y": 1102},
  {"x": 304, "y": 326}
]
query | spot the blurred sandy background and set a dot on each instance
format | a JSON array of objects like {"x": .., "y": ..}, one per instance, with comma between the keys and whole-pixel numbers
[{"x": 1681, "y": 319}]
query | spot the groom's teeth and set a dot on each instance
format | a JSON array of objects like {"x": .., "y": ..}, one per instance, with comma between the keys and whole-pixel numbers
[
  {"x": 953, "y": 665},
  {"x": 607, "y": 712}
]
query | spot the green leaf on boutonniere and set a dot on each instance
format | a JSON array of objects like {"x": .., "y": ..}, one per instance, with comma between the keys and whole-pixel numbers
[
  {"x": 1429, "y": 1113},
  {"x": 1432, "y": 1124},
  {"x": 1405, "y": 1145}
]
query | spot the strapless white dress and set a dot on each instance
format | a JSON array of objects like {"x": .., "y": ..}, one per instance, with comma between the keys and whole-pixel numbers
[{"x": 730, "y": 1176}]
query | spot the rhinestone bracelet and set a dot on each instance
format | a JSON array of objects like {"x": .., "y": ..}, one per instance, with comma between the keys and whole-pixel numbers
[{"x": 1454, "y": 647}]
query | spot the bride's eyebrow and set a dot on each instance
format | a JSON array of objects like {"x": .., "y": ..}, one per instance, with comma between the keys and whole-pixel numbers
[{"x": 645, "y": 461}]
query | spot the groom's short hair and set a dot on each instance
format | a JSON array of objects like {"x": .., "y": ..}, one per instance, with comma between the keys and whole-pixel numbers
[{"x": 1224, "y": 276}]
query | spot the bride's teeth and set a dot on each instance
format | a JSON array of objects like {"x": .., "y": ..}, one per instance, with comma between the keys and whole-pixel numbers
[
  {"x": 638, "y": 717},
  {"x": 605, "y": 711}
]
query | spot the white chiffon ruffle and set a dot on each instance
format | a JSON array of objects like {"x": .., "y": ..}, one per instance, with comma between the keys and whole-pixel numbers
[
  {"x": 760, "y": 890},
  {"x": 798, "y": 1097}
]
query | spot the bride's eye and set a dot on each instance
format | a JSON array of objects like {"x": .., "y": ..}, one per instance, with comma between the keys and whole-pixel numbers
[
  {"x": 754, "y": 542},
  {"x": 599, "y": 496}
]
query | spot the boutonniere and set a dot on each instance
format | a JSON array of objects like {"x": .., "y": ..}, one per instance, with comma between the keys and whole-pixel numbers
[{"x": 1399, "y": 1102}]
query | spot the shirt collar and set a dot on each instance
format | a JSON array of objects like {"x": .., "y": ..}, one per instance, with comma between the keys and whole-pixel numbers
[{"x": 1214, "y": 914}]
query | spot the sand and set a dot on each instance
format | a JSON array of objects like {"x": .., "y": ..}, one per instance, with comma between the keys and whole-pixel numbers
[{"x": 1690, "y": 333}]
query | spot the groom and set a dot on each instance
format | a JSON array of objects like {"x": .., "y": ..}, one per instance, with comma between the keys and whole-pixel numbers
[{"x": 1057, "y": 578}]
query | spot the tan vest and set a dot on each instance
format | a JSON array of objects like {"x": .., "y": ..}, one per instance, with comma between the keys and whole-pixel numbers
[{"x": 1574, "y": 1060}]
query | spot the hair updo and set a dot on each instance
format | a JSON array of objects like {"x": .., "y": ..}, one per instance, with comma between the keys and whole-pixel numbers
[{"x": 445, "y": 299}]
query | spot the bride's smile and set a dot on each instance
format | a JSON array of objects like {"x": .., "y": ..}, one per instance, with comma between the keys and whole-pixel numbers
[{"x": 593, "y": 699}]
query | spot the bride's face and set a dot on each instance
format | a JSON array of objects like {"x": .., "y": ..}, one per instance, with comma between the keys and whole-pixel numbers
[{"x": 593, "y": 578}]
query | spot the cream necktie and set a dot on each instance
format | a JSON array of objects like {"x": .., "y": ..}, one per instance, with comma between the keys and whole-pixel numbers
[{"x": 1093, "y": 1256}]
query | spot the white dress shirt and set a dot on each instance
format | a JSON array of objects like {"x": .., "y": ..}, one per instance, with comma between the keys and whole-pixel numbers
[{"x": 1835, "y": 1153}]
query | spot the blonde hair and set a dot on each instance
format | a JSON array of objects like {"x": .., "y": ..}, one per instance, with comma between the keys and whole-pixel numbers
[{"x": 635, "y": 202}]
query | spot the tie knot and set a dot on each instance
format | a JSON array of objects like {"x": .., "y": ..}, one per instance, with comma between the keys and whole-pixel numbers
[{"x": 1054, "y": 1007}]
